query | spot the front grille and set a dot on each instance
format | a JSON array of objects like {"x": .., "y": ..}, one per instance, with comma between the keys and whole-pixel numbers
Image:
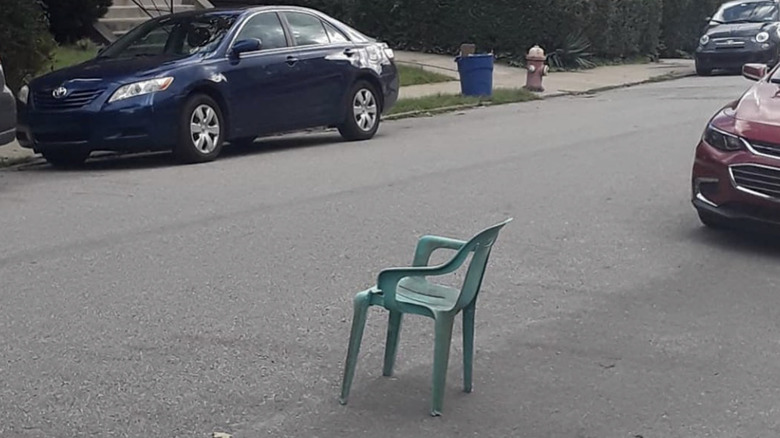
[
  {"x": 757, "y": 179},
  {"x": 766, "y": 149},
  {"x": 729, "y": 43},
  {"x": 75, "y": 99}
]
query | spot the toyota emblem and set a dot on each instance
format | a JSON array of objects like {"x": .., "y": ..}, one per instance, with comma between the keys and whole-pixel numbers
[{"x": 59, "y": 93}]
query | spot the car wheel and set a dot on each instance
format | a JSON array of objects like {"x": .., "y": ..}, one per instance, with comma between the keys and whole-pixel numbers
[
  {"x": 66, "y": 159},
  {"x": 703, "y": 71},
  {"x": 363, "y": 113},
  {"x": 712, "y": 221},
  {"x": 201, "y": 130}
]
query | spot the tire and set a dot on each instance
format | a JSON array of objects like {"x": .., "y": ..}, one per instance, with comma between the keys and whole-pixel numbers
[
  {"x": 362, "y": 113},
  {"x": 703, "y": 71},
  {"x": 201, "y": 130},
  {"x": 66, "y": 159},
  {"x": 711, "y": 221}
]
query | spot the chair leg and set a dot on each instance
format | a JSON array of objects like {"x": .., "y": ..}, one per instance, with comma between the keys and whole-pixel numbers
[
  {"x": 468, "y": 347},
  {"x": 441, "y": 357},
  {"x": 391, "y": 345},
  {"x": 361, "y": 303}
]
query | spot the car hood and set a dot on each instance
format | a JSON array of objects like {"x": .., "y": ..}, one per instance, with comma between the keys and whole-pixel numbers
[
  {"x": 107, "y": 70},
  {"x": 737, "y": 30},
  {"x": 760, "y": 104}
]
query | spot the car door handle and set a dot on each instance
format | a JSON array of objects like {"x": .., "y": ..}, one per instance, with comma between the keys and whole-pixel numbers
[
  {"x": 350, "y": 52},
  {"x": 291, "y": 60}
]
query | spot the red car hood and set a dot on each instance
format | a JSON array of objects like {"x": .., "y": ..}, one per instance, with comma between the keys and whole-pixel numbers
[{"x": 760, "y": 104}]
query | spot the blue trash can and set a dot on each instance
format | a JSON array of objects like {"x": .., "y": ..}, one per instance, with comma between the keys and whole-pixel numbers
[{"x": 476, "y": 74}]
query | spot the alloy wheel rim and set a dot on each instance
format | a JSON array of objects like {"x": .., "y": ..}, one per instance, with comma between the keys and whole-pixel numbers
[
  {"x": 204, "y": 129},
  {"x": 365, "y": 110}
]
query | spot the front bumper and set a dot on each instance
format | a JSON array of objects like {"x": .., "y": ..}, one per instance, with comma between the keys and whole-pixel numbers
[
  {"x": 139, "y": 124},
  {"x": 712, "y": 58},
  {"x": 715, "y": 190}
]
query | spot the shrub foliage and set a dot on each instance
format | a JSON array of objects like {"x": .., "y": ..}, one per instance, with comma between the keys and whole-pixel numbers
[
  {"x": 25, "y": 42},
  {"x": 71, "y": 20}
]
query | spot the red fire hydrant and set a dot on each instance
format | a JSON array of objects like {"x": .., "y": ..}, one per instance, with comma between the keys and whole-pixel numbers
[{"x": 537, "y": 69}]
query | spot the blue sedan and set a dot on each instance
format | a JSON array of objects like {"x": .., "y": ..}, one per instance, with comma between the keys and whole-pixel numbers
[{"x": 192, "y": 81}]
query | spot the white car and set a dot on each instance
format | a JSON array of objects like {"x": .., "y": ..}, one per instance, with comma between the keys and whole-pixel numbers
[{"x": 7, "y": 111}]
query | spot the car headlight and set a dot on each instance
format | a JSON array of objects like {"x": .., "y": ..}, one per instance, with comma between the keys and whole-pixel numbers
[
  {"x": 762, "y": 37},
  {"x": 704, "y": 40},
  {"x": 722, "y": 140},
  {"x": 24, "y": 94},
  {"x": 141, "y": 88}
]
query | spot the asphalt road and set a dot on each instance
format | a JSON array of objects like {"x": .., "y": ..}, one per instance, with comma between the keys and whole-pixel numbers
[{"x": 143, "y": 299}]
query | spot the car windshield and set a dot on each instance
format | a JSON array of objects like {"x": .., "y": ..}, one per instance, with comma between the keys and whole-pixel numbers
[
  {"x": 175, "y": 36},
  {"x": 749, "y": 12}
]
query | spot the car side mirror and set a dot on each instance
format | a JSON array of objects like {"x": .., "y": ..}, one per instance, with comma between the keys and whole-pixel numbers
[
  {"x": 707, "y": 19},
  {"x": 247, "y": 45},
  {"x": 754, "y": 72}
]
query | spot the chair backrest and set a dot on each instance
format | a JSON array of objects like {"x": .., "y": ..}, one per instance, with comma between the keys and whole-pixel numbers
[{"x": 480, "y": 247}]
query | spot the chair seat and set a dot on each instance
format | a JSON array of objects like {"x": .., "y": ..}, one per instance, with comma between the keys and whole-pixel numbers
[{"x": 417, "y": 291}]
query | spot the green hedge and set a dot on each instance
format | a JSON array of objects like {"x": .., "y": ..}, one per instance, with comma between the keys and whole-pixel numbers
[
  {"x": 71, "y": 20},
  {"x": 683, "y": 23},
  {"x": 25, "y": 42},
  {"x": 613, "y": 28}
]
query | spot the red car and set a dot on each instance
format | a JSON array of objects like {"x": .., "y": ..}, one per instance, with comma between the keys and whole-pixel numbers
[{"x": 736, "y": 174}]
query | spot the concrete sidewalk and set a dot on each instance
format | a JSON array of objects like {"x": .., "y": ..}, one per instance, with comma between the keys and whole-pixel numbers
[
  {"x": 555, "y": 84},
  {"x": 13, "y": 153},
  {"x": 503, "y": 77}
]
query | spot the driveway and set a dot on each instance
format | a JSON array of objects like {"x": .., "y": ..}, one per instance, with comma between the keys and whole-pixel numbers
[{"x": 144, "y": 299}]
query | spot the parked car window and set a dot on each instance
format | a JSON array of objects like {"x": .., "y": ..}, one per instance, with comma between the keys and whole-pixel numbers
[
  {"x": 267, "y": 28},
  {"x": 307, "y": 29},
  {"x": 153, "y": 43},
  {"x": 336, "y": 36},
  {"x": 173, "y": 36},
  {"x": 747, "y": 12}
]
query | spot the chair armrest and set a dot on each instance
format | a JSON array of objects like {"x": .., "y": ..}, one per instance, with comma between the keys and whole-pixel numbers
[
  {"x": 389, "y": 278},
  {"x": 428, "y": 244}
]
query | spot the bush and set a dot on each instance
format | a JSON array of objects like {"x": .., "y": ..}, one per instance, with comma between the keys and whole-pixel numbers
[
  {"x": 25, "y": 42},
  {"x": 71, "y": 20},
  {"x": 613, "y": 28},
  {"x": 683, "y": 23}
]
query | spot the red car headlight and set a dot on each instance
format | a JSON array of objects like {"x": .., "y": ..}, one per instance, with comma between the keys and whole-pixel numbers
[{"x": 723, "y": 140}]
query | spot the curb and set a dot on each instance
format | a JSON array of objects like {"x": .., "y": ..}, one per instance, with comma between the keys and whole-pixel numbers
[
  {"x": 430, "y": 112},
  {"x": 445, "y": 109},
  {"x": 11, "y": 162}
]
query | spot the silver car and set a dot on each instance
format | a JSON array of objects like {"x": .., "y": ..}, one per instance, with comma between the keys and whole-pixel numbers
[{"x": 7, "y": 111}]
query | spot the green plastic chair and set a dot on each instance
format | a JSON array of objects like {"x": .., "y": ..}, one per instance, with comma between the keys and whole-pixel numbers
[{"x": 406, "y": 290}]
